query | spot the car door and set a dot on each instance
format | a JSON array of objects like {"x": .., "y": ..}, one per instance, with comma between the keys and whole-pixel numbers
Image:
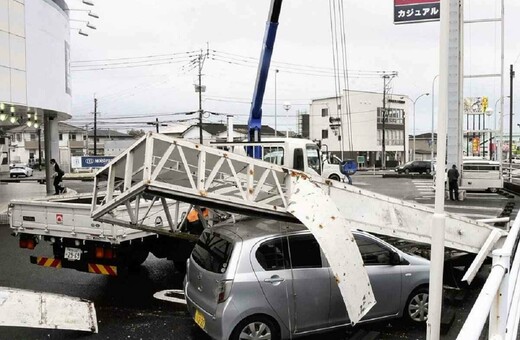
[
  {"x": 384, "y": 278},
  {"x": 270, "y": 262},
  {"x": 311, "y": 284}
]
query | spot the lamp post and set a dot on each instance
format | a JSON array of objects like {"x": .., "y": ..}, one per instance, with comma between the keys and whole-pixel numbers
[
  {"x": 275, "y": 105},
  {"x": 416, "y": 99},
  {"x": 433, "y": 121},
  {"x": 287, "y": 107}
]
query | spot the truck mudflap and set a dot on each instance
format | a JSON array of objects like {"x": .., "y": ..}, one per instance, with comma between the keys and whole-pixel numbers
[
  {"x": 95, "y": 268},
  {"x": 25, "y": 308}
]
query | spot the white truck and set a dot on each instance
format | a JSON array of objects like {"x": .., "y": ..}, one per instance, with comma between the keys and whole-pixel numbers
[{"x": 80, "y": 243}]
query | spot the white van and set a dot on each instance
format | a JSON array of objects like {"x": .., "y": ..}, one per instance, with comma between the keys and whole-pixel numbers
[{"x": 481, "y": 174}]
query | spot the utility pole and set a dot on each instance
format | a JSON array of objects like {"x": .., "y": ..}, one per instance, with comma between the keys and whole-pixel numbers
[
  {"x": 511, "y": 77},
  {"x": 95, "y": 127},
  {"x": 200, "y": 60},
  {"x": 157, "y": 125},
  {"x": 383, "y": 153}
]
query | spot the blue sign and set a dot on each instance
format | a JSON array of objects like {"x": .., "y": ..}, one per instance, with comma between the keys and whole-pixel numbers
[{"x": 95, "y": 161}]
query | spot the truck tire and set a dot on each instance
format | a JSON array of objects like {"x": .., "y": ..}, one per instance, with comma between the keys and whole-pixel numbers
[{"x": 334, "y": 177}]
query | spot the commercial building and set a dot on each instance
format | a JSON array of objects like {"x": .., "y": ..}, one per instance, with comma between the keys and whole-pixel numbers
[
  {"x": 35, "y": 83},
  {"x": 360, "y": 134}
]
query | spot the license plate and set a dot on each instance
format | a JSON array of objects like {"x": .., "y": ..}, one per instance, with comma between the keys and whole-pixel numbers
[
  {"x": 199, "y": 319},
  {"x": 72, "y": 254}
]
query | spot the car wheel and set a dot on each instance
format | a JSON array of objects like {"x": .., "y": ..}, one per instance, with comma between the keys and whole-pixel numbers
[
  {"x": 334, "y": 177},
  {"x": 428, "y": 171},
  {"x": 256, "y": 327},
  {"x": 11, "y": 176},
  {"x": 407, "y": 171},
  {"x": 493, "y": 190},
  {"x": 416, "y": 309}
]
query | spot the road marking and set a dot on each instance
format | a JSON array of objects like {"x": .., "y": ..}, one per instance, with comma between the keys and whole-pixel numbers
[{"x": 171, "y": 295}]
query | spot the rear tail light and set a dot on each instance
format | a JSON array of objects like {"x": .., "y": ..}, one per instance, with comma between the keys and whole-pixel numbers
[
  {"x": 224, "y": 288},
  {"x": 27, "y": 242},
  {"x": 23, "y": 243},
  {"x": 105, "y": 253},
  {"x": 99, "y": 253},
  {"x": 31, "y": 244}
]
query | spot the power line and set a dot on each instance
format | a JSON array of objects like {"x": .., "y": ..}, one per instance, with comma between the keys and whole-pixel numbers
[{"x": 127, "y": 58}]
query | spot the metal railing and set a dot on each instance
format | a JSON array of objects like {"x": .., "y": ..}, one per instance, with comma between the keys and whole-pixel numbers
[{"x": 500, "y": 296}]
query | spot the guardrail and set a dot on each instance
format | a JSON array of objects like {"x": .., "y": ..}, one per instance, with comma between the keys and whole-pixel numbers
[{"x": 500, "y": 297}]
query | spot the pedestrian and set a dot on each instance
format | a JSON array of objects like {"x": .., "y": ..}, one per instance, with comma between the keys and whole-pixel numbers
[
  {"x": 58, "y": 176},
  {"x": 453, "y": 182}
]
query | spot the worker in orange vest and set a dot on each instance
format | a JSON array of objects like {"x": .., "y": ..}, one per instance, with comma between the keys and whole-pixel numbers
[{"x": 194, "y": 225}]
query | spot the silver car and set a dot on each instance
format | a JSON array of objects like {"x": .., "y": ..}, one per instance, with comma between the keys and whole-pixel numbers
[{"x": 263, "y": 279}]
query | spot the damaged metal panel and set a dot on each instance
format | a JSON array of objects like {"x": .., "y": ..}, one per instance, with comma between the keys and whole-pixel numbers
[
  {"x": 25, "y": 308},
  {"x": 319, "y": 213}
]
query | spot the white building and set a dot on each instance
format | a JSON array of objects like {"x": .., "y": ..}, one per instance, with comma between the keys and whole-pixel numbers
[
  {"x": 34, "y": 65},
  {"x": 362, "y": 126}
]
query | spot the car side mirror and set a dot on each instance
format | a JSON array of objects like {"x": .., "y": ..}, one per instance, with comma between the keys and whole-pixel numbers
[{"x": 395, "y": 258}]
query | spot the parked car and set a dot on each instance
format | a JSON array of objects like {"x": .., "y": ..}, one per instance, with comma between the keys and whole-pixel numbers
[
  {"x": 264, "y": 280},
  {"x": 20, "y": 170},
  {"x": 415, "y": 166}
]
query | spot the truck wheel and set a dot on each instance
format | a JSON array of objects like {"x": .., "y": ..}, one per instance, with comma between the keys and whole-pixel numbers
[{"x": 334, "y": 177}]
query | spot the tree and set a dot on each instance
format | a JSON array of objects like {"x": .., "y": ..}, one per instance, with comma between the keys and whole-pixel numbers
[{"x": 136, "y": 133}]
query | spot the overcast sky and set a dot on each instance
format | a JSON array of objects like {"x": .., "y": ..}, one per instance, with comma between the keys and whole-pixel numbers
[{"x": 234, "y": 31}]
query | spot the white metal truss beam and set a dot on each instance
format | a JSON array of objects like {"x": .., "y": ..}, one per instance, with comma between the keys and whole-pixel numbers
[{"x": 208, "y": 177}]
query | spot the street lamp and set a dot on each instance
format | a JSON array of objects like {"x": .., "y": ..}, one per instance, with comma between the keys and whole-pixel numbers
[
  {"x": 275, "y": 106},
  {"x": 416, "y": 99},
  {"x": 287, "y": 107}
]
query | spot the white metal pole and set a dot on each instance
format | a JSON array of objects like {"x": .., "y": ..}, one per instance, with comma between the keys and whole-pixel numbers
[
  {"x": 433, "y": 121},
  {"x": 439, "y": 217},
  {"x": 414, "y": 129},
  {"x": 502, "y": 63}
]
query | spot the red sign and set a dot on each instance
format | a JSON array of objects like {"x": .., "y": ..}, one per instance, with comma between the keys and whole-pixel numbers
[
  {"x": 59, "y": 218},
  {"x": 410, "y": 11}
]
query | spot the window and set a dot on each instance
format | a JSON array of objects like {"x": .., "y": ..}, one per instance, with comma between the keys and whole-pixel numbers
[
  {"x": 325, "y": 112},
  {"x": 84, "y": 137},
  {"x": 372, "y": 252},
  {"x": 212, "y": 252},
  {"x": 18, "y": 137},
  {"x": 33, "y": 136},
  {"x": 324, "y": 134},
  {"x": 274, "y": 155},
  {"x": 305, "y": 252},
  {"x": 313, "y": 157},
  {"x": 273, "y": 254},
  {"x": 73, "y": 136},
  {"x": 298, "y": 160},
  {"x": 61, "y": 136}
]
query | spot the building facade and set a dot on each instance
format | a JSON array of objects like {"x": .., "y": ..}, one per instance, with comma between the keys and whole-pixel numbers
[
  {"x": 363, "y": 122},
  {"x": 35, "y": 66}
]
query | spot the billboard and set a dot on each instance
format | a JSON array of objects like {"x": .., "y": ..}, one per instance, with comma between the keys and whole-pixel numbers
[
  {"x": 475, "y": 105},
  {"x": 412, "y": 11},
  {"x": 90, "y": 161}
]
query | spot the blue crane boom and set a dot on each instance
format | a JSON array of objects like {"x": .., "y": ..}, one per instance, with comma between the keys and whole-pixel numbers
[{"x": 255, "y": 116}]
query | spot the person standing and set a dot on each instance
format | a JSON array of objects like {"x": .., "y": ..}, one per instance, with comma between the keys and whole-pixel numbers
[
  {"x": 453, "y": 182},
  {"x": 58, "y": 176}
]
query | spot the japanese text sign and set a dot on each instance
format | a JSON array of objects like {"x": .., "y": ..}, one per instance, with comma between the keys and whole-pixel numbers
[{"x": 410, "y": 11}]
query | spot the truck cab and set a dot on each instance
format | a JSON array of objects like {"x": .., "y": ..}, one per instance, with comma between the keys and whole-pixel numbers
[{"x": 295, "y": 153}]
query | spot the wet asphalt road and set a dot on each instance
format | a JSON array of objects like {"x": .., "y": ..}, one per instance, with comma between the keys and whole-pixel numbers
[{"x": 125, "y": 306}]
